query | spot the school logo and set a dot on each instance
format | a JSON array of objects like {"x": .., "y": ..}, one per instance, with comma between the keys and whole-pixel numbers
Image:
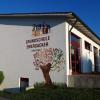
[{"x": 40, "y": 29}]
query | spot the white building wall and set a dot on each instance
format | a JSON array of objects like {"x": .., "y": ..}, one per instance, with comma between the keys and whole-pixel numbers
[
  {"x": 68, "y": 71},
  {"x": 67, "y": 49},
  {"x": 87, "y": 56},
  {"x": 16, "y": 61}
]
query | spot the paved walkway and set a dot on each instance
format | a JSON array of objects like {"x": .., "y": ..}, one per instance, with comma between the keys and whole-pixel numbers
[{"x": 2, "y": 98}]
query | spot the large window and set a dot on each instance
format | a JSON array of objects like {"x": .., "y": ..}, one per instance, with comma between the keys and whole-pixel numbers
[
  {"x": 75, "y": 54},
  {"x": 88, "y": 46}
]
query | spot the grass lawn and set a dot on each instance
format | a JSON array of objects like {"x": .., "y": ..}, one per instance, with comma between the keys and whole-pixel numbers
[
  {"x": 58, "y": 93},
  {"x": 5, "y": 94}
]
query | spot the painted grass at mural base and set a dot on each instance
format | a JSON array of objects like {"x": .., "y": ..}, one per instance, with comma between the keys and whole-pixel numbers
[{"x": 59, "y": 93}]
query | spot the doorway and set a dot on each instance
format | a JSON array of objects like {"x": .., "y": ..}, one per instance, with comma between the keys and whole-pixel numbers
[
  {"x": 95, "y": 59},
  {"x": 75, "y": 54},
  {"x": 24, "y": 83}
]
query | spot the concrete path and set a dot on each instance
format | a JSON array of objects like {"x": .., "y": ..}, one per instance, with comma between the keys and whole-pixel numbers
[{"x": 2, "y": 98}]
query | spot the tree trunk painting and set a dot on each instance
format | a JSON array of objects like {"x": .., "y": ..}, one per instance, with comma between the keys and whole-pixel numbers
[
  {"x": 49, "y": 60},
  {"x": 46, "y": 69}
]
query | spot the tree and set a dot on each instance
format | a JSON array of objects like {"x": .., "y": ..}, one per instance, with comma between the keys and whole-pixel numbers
[
  {"x": 49, "y": 60},
  {"x": 1, "y": 77}
]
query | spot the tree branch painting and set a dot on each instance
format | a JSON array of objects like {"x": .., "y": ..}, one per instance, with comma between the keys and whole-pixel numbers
[{"x": 48, "y": 59}]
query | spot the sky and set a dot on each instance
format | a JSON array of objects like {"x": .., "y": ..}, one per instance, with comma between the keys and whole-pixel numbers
[{"x": 87, "y": 10}]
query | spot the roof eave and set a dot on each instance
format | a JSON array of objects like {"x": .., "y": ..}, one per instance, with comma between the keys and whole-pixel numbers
[{"x": 58, "y": 14}]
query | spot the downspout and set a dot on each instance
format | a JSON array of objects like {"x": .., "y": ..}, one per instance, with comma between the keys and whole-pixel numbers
[{"x": 69, "y": 39}]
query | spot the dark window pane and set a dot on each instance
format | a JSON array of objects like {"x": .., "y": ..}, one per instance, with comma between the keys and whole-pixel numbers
[{"x": 87, "y": 46}]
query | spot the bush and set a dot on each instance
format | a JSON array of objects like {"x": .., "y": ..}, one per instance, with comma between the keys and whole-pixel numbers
[
  {"x": 1, "y": 77},
  {"x": 59, "y": 94},
  {"x": 60, "y": 85},
  {"x": 39, "y": 85},
  {"x": 54, "y": 86}
]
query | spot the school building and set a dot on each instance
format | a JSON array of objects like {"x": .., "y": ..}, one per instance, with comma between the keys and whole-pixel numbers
[{"x": 53, "y": 47}]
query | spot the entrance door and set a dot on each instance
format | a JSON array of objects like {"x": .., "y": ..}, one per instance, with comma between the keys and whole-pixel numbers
[
  {"x": 24, "y": 83},
  {"x": 75, "y": 54},
  {"x": 95, "y": 59}
]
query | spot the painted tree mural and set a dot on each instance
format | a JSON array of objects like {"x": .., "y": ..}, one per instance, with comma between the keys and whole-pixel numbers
[{"x": 49, "y": 60}]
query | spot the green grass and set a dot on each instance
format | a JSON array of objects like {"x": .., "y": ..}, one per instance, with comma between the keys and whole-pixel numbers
[
  {"x": 57, "y": 92},
  {"x": 5, "y": 94}
]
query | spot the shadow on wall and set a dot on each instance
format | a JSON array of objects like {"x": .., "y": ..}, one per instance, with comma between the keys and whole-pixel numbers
[
  {"x": 12, "y": 90},
  {"x": 30, "y": 21},
  {"x": 89, "y": 62},
  {"x": 99, "y": 63},
  {"x": 84, "y": 81},
  {"x": 87, "y": 65}
]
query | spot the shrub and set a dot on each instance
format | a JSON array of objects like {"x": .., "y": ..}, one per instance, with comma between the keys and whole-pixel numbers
[
  {"x": 54, "y": 86},
  {"x": 60, "y": 85},
  {"x": 1, "y": 77},
  {"x": 39, "y": 85},
  {"x": 58, "y": 94}
]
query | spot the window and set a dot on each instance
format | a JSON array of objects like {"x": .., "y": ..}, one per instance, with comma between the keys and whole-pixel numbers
[{"x": 88, "y": 46}]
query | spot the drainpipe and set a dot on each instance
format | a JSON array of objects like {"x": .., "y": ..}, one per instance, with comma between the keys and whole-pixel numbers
[{"x": 69, "y": 39}]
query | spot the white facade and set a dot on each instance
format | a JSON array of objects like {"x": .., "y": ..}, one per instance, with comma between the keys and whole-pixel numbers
[
  {"x": 16, "y": 60},
  {"x": 86, "y": 54}
]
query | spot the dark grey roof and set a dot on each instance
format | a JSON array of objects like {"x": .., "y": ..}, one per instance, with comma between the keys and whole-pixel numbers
[{"x": 70, "y": 18}]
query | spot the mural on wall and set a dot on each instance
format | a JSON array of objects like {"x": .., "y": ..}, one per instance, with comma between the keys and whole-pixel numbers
[
  {"x": 40, "y": 29},
  {"x": 44, "y": 58},
  {"x": 49, "y": 59}
]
